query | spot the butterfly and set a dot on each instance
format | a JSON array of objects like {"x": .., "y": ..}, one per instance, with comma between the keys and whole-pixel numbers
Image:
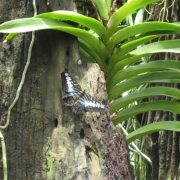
[
  {"x": 71, "y": 89},
  {"x": 75, "y": 97}
]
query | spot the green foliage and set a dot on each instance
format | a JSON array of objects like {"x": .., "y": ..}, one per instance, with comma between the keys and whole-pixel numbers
[
  {"x": 124, "y": 11},
  {"x": 119, "y": 53},
  {"x": 147, "y": 106},
  {"x": 151, "y": 128}
]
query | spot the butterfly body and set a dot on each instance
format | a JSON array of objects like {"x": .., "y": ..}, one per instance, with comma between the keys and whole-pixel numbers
[{"x": 75, "y": 97}]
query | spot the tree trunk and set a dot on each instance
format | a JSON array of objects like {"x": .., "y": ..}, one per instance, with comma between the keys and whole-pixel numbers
[
  {"x": 45, "y": 140},
  {"x": 163, "y": 147}
]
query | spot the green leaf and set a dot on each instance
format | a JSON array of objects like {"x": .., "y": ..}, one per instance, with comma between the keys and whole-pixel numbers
[
  {"x": 87, "y": 52},
  {"x": 151, "y": 128},
  {"x": 103, "y": 8},
  {"x": 30, "y": 24},
  {"x": 89, "y": 55},
  {"x": 87, "y": 48},
  {"x": 127, "y": 47},
  {"x": 33, "y": 24},
  {"x": 146, "y": 107},
  {"x": 124, "y": 11},
  {"x": 11, "y": 36},
  {"x": 140, "y": 16},
  {"x": 125, "y": 62},
  {"x": 132, "y": 71},
  {"x": 165, "y": 76},
  {"x": 131, "y": 31},
  {"x": 157, "y": 47},
  {"x": 109, "y": 2},
  {"x": 143, "y": 93},
  {"x": 88, "y": 22},
  {"x": 85, "y": 56}
]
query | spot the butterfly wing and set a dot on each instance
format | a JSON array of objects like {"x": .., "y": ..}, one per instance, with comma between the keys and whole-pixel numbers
[
  {"x": 71, "y": 89},
  {"x": 87, "y": 103}
]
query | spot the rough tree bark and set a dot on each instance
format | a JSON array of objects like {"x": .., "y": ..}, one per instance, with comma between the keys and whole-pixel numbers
[
  {"x": 163, "y": 147},
  {"x": 44, "y": 139}
]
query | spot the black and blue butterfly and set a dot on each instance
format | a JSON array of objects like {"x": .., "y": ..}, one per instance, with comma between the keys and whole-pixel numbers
[{"x": 75, "y": 97}]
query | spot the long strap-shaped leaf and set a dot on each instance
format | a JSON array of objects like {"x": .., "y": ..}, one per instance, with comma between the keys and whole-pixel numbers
[
  {"x": 151, "y": 128},
  {"x": 165, "y": 76},
  {"x": 144, "y": 93},
  {"x": 90, "y": 56},
  {"x": 142, "y": 68},
  {"x": 33, "y": 24},
  {"x": 85, "y": 56},
  {"x": 142, "y": 28},
  {"x": 126, "y": 48},
  {"x": 157, "y": 47},
  {"x": 103, "y": 8},
  {"x": 88, "y": 22},
  {"x": 124, "y": 11},
  {"x": 146, "y": 107},
  {"x": 109, "y": 2},
  {"x": 125, "y": 62}
]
